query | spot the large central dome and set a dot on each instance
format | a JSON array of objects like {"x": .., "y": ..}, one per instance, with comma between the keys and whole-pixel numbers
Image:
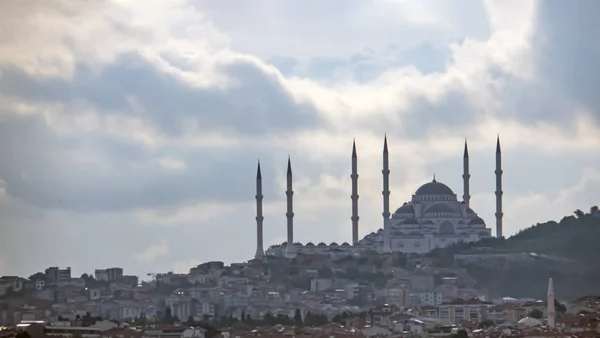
[{"x": 434, "y": 188}]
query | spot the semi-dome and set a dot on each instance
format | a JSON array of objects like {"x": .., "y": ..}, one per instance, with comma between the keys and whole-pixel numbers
[
  {"x": 410, "y": 221},
  {"x": 477, "y": 220},
  {"x": 470, "y": 211},
  {"x": 446, "y": 228},
  {"x": 427, "y": 222},
  {"x": 440, "y": 208},
  {"x": 434, "y": 188},
  {"x": 405, "y": 209}
]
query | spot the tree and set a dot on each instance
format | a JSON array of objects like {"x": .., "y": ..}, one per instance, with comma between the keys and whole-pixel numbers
[
  {"x": 23, "y": 334},
  {"x": 87, "y": 320},
  {"x": 462, "y": 333},
  {"x": 190, "y": 321},
  {"x": 579, "y": 213},
  {"x": 243, "y": 316},
  {"x": 486, "y": 323},
  {"x": 315, "y": 319},
  {"x": 536, "y": 313},
  {"x": 168, "y": 317},
  {"x": 560, "y": 308},
  {"x": 298, "y": 318},
  {"x": 594, "y": 209},
  {"x": 269, "y": 319}
]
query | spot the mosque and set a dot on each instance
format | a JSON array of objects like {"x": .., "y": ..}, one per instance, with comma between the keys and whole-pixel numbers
[{"x": 434, "y": 217}]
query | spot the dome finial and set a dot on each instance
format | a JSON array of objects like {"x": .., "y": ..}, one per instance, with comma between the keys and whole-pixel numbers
[{"x": 434, "y": 178}]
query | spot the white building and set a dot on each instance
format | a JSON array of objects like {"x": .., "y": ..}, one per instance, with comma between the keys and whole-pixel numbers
[{"x": 433, "y": 218}]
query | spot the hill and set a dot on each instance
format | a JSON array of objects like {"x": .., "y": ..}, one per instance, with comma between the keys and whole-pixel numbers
[{"x": 568, "y": 251}]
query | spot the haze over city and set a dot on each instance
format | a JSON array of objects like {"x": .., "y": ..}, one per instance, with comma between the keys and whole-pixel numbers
[{"x": 130, "y": 131}]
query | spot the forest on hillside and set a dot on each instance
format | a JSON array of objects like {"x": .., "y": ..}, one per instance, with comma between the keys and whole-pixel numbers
[{"x": 575, "y": 237}]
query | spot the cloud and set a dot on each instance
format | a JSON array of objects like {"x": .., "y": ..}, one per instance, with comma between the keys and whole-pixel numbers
[
  {"x": 132, "y": 84},
  {"x": 170, "y": 163},
  {"x": 72, "y": 171},
  {"x": 185, "y": 266},
  {"x": 565, "y": 51},
  {"x": 147, "y": 121},
  {"x": 153, "y": 252}
]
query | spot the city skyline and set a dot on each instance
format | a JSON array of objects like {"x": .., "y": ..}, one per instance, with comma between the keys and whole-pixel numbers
[{"x": 142, "y": 154}]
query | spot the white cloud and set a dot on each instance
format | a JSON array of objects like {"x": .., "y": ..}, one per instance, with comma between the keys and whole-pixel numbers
[
  {"x": 171, "y": 163},
  {"x": 185, "y": 266},
  {"x": 528, "y": 209},
  {"x": 153, "y": 252},
  {"x": 181, "y": 151}
]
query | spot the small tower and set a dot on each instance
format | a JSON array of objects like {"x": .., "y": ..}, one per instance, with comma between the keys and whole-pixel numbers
[
  {"x": 498, "y": 172},
  {"x": 290, "y": 249},
  {"x": 550, "y": 310},
  {"x": 386, "y": 197},
  {"x": 259, "y": 215},
  {"x": 354, "y": 196},
  {"x": 466, "y": 177}
]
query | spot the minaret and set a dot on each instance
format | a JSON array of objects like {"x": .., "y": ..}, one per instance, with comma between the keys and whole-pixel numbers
[
  {"x": 259, "y": 215},
  {"x": 354, "y": 196},
  {"x": 386, "y": 197},
  {"x": 499, "y": 213},
  {"x": 466, "y": 177},
  {"x": 290, "y": 251},
  {"x": 550, "y": 310}
]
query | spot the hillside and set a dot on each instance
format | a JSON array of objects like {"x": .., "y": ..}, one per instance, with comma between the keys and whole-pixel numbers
[{"x": 576, "y": 238}]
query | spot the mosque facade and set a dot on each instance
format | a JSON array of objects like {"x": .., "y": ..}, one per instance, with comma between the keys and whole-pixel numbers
[{"x": 434, "y": 217}]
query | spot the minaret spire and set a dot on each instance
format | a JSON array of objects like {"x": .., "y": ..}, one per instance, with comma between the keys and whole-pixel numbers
[
  {"x": 354, "y": 195},
  {"x": 290, "y": 249},
  {"x": 259, "y": 214},
  {"x": 550, "y": 310},
  {"x": 498, "y": 172},
  {"x": 386, "y": 197},
  {"x": 466, "y": 177}
]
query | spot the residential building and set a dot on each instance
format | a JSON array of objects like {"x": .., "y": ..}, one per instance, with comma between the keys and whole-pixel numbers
[
  {"x": 109, "y": 275},
  {"x": 55, "y": 275}
]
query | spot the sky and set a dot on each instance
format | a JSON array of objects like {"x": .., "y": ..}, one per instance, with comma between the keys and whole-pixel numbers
[{"x": 130, "y": 130}]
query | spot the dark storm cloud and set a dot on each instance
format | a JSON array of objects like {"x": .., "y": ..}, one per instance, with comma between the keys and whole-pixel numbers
[
  {"x": 567, "y": 51},
  {"x": 47, "y": 170},
  {"x": 529, "y": 102},
  {"x": 256, "y": 104}
]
